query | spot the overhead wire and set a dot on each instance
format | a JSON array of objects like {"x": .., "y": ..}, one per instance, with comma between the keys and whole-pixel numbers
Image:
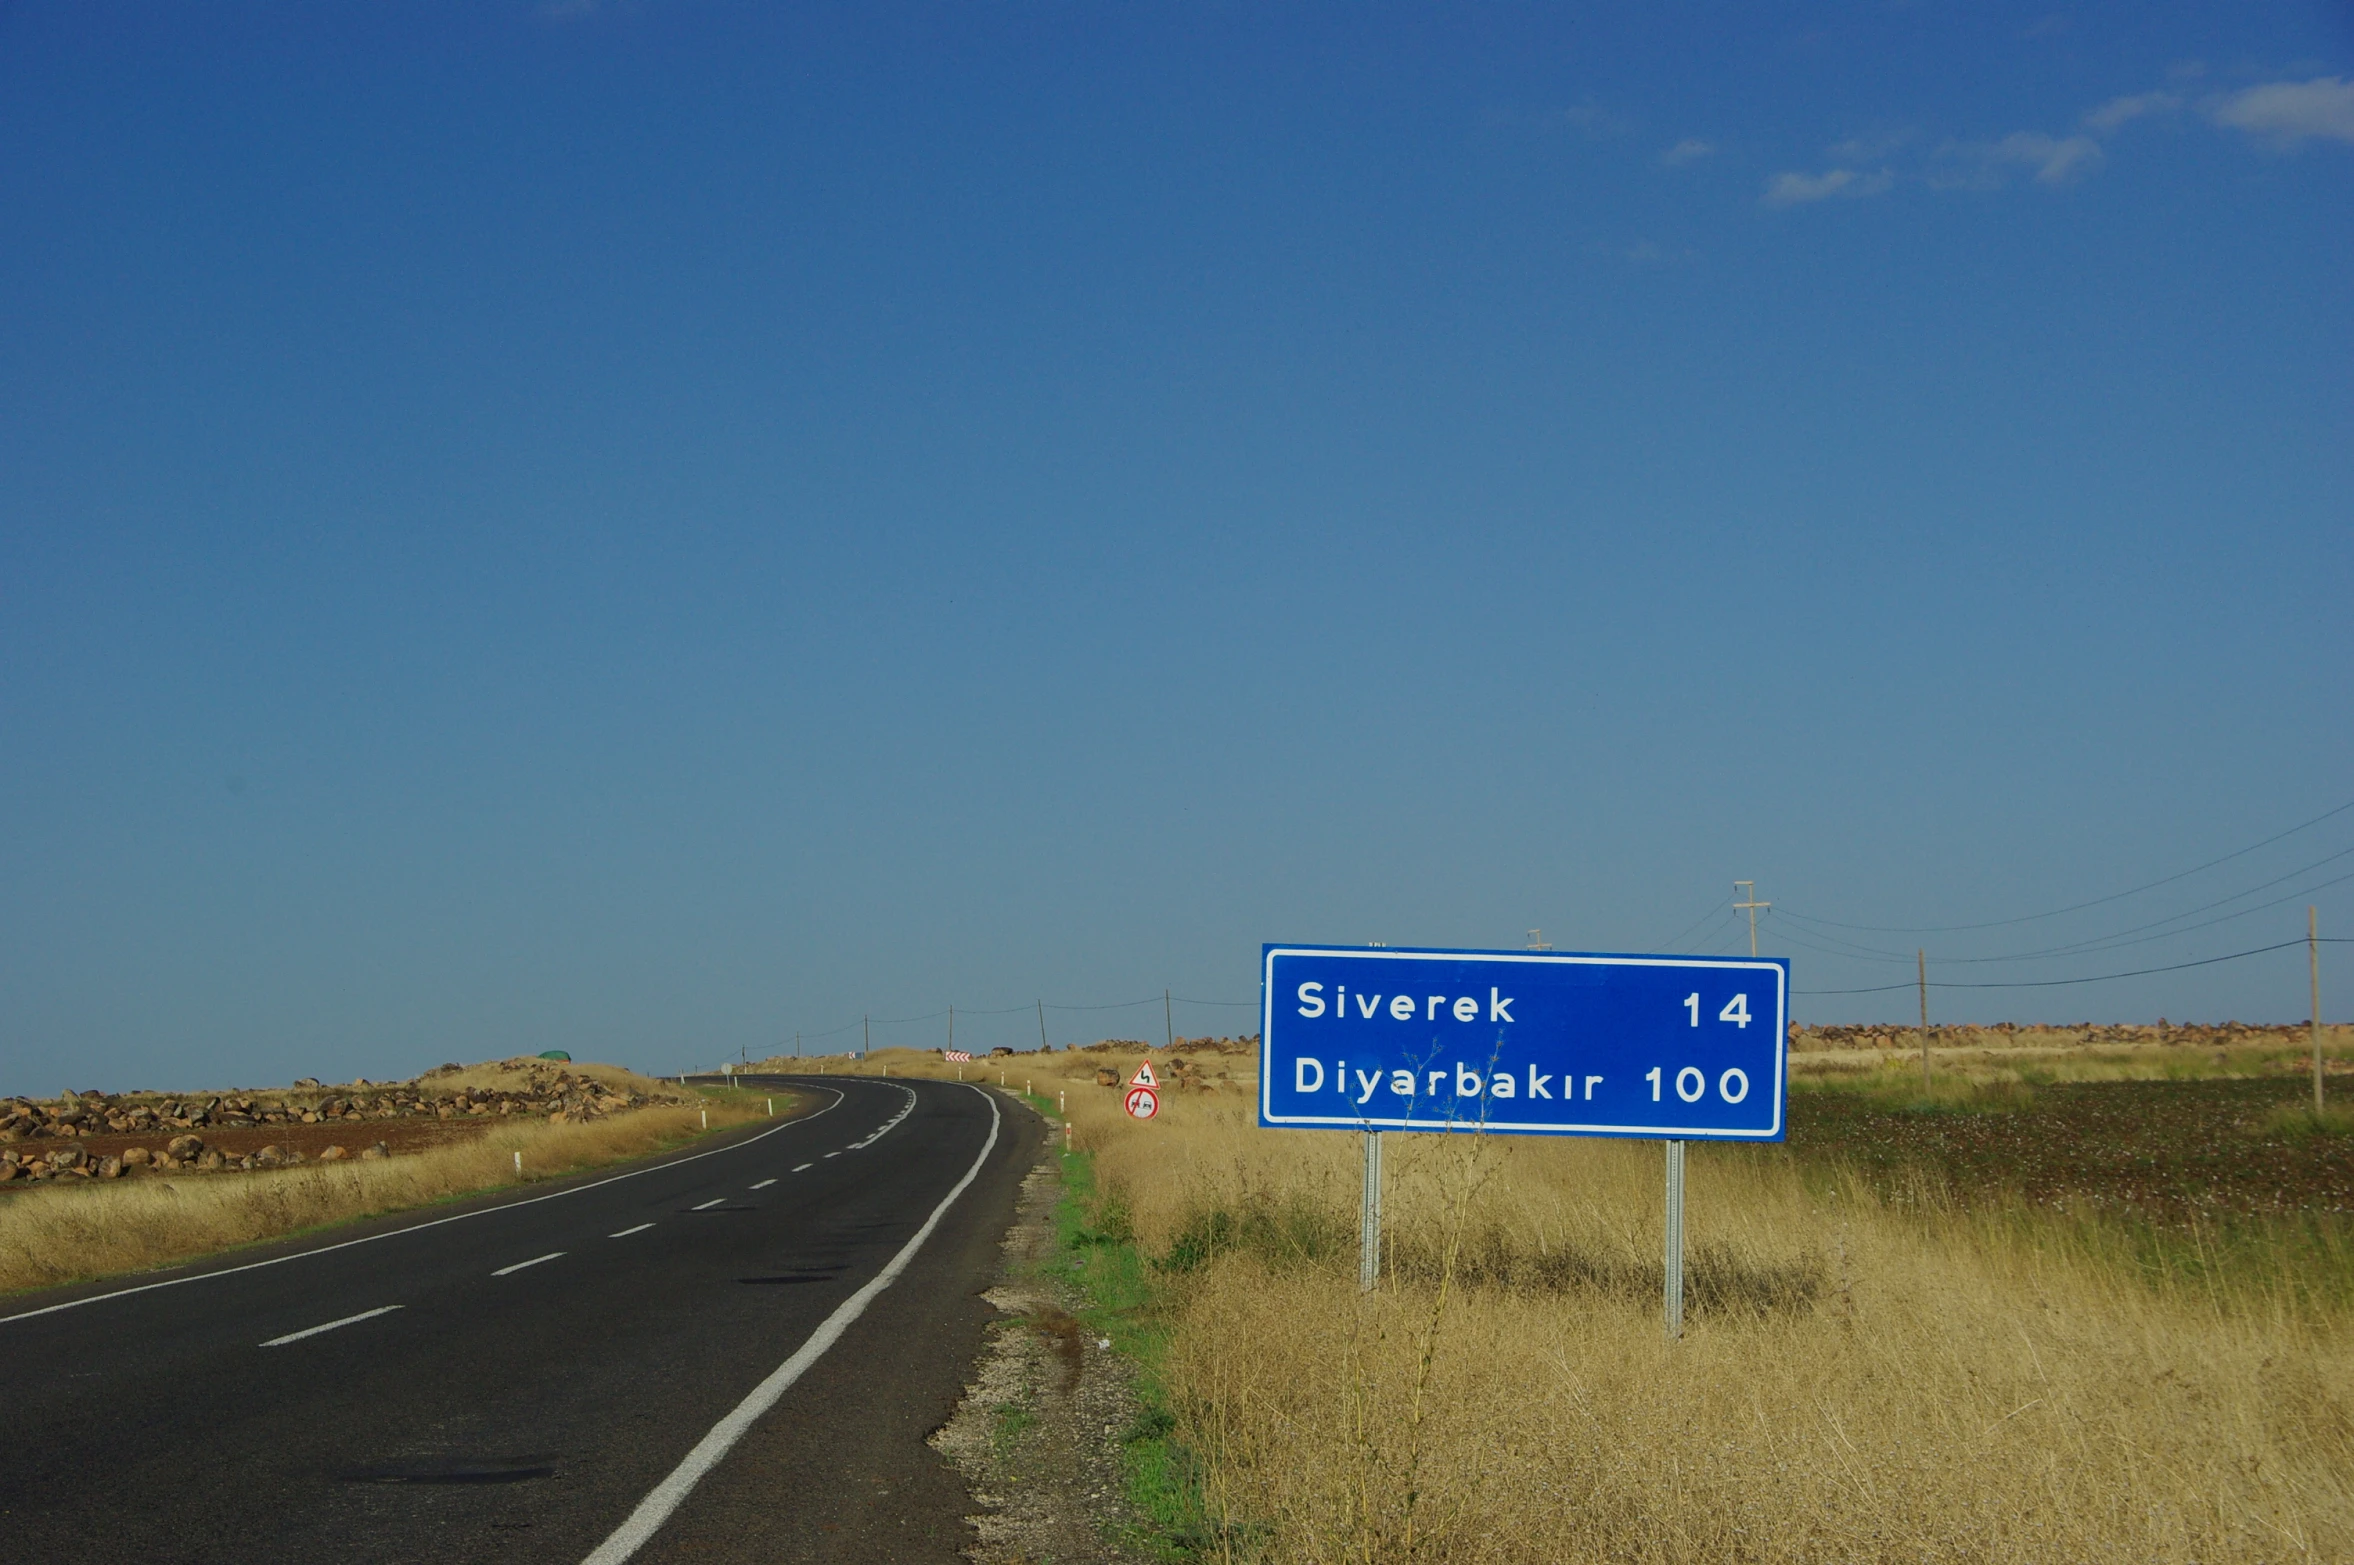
[
  {"x": 2118, "y": 938},
  {"x": 2115, "y": 896}
]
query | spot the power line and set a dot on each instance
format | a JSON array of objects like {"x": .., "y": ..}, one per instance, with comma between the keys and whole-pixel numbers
[
  {"x": 2077, "y": 907},
  {"x": 2172, "y": 967},
  {"x": 2117, "y": 938},
  {"x": 1712, "y": 913},
  {"x": 2096, "y": 978}
]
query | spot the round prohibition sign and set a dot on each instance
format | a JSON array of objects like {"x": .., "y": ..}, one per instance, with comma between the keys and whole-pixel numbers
[{"x": 1143, "y": 1102}]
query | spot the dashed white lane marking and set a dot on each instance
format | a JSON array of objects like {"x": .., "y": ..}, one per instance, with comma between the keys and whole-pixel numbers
[
  {"x": 803, "y": 1168},
  {"x": 837, "y": 1154},
  {"x": 708, "y": 1205},
  {"x": 886, "y": 1126},
  {"x": 626, "y": 1232},
  {"x": 534, "y": 1261},
  {"x": 671, "y": 1492},
  {"x": 764, "y": 1184},
  {"x": 416, "y": 1228},
  {"x": 297, "y": 1336}
]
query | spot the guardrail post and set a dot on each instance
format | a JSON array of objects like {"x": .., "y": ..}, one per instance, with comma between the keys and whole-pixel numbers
[
  {"x": 1369, "y": 1224},
  {"x": 1675, "y": 1240}
]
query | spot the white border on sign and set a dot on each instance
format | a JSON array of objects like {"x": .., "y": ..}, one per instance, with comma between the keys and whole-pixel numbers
[{"x": 1268, "y": 1116}]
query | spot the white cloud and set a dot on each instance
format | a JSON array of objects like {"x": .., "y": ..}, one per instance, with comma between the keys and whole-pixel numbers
[
  {"x": 1586, "y": 116},
  {"x": 2056, "y": 160},
  {"x": 2290, "y": 113},
  {"x": 2117, "y": 111},
  {"x": 1690, "y": 150},
  {"x": 1869, "y": 149},
  {"x": 1791, "y": 188}
]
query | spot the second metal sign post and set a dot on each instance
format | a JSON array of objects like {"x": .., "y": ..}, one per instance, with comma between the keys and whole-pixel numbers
[{"x": 1550, "y": 1043}]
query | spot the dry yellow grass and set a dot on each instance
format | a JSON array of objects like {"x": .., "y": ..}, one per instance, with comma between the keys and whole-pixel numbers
[
  {"x": 527, "y": 1072},
  {"x": 1856, "y": 1383},
  {"x": 70, "y": 1233}
]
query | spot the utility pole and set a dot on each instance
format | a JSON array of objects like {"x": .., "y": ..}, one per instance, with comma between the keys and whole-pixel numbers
[
  {"x": 866, "y": 1037},
  {"x": 1042, "y": 1024},
  {"x": 2313, "y": 963},
  {"x": 952, "y": 1024},
  {"x": 1748, "y": 891},
  {"x": 1168, "y": 1026},
  {"x": 1538, "y": 942},
  {"x": 1921, "y": 955}
]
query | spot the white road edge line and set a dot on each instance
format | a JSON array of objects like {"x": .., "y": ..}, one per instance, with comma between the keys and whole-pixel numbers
[
  {"x": 764, "y": 1184},
  {"x": 297, "y": 1336},
  {"x": 672, "y": 1491},
  {"x": 626, "y": 1232},
  {"x": 708, "y": 1205},
  {"x": 534, "y": 1261},
  {"x": 417, "y": 1228},
  {"x": 804, "y": 1168}
]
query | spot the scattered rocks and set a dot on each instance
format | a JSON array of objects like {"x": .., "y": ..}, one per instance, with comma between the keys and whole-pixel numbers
[{"x": 40, "y": 1135}]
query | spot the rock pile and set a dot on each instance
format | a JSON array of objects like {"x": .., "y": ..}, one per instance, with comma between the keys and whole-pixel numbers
[
  {"x": 186, "y": 1154},
  {"x": 562, "y": 1097},
  {"x": 2036, "y": 1035}
]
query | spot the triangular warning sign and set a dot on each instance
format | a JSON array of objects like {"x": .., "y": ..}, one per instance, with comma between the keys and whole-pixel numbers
[{"x": 1144, "y": 1076}]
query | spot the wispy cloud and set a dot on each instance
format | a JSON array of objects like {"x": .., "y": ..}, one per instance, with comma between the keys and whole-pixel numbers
[
  {"x": 2056, "y": 160},
  {"x": 2289, "y": 114},
  {"x": 1586, "y": 116},
  {"x": 1792, "y": 188},
  {"x": 1690, "y": 150},
  {"x": 1877, "y": 147},
  {"x": 2119, "y": 111}
]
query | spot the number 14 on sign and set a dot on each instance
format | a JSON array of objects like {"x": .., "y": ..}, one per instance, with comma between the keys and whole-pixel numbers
[{"x": 1736, "y": 1009}]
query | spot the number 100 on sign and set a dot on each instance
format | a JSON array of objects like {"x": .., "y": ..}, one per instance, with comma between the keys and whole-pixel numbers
[{"x": 1524, "y": 1043}]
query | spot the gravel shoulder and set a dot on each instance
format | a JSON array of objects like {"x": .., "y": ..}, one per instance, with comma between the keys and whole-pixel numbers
[{"x": 1036, "y": 1434}]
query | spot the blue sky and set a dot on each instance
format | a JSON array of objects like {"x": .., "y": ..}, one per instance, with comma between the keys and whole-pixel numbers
[{"x": 647, "y": 528}]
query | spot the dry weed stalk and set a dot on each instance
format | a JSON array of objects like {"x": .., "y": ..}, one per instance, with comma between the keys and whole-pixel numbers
[
  {"x": 1859, "y": 1380},
  {"x": 62, "y": 1235}
]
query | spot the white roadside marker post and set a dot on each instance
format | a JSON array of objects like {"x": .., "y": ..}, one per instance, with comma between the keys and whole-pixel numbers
[
  {"x": 1675, "y": 1240},
  {"x": 518, "y": 1165},
  {"x": 772, "y": 1108},
  {"x": 1369, "y": 1220},
  {"x": 706, "y": 1119}
]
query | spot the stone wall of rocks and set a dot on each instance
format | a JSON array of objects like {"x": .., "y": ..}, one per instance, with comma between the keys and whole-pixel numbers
[
  {"x": 38, "y": 1138},
  {"x": 2037, "y": 1035}
]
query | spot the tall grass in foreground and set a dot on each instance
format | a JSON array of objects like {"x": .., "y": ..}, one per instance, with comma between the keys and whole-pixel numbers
[
  {"x": 74, "y": 1232},
  {"x": 1857, "y": 1381}
]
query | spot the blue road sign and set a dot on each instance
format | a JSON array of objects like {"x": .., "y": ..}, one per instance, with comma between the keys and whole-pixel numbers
[{"x": 1549, "y": 1043}]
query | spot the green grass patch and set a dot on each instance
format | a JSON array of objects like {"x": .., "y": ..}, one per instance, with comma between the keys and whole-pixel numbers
[{"x": 1126, "y": 1302}]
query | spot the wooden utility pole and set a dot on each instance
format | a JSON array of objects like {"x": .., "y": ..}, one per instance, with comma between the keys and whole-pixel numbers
[
  {"x": 1168, "y": 1025},
  {"x": 1042, "y": 1024},
  {"x": 2313, "y": 964},
  {"x": 1748, "y": 892},
  {"x": 1921, "y": 954},
  {"x": 952, "y": 1024},
  {"x": 866, "y": 1037}
]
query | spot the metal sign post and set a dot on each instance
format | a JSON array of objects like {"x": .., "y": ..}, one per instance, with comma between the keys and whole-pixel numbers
[
  {"x": 1525, "y": 1043},
  {"x": 1675, "y": 1240}
]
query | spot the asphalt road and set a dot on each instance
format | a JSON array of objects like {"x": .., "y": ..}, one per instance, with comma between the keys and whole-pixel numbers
[{"x": 548, "y": 1372}]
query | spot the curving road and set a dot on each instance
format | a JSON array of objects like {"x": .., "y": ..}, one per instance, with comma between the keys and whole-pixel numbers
[{"x": 730, "y": 1354}]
